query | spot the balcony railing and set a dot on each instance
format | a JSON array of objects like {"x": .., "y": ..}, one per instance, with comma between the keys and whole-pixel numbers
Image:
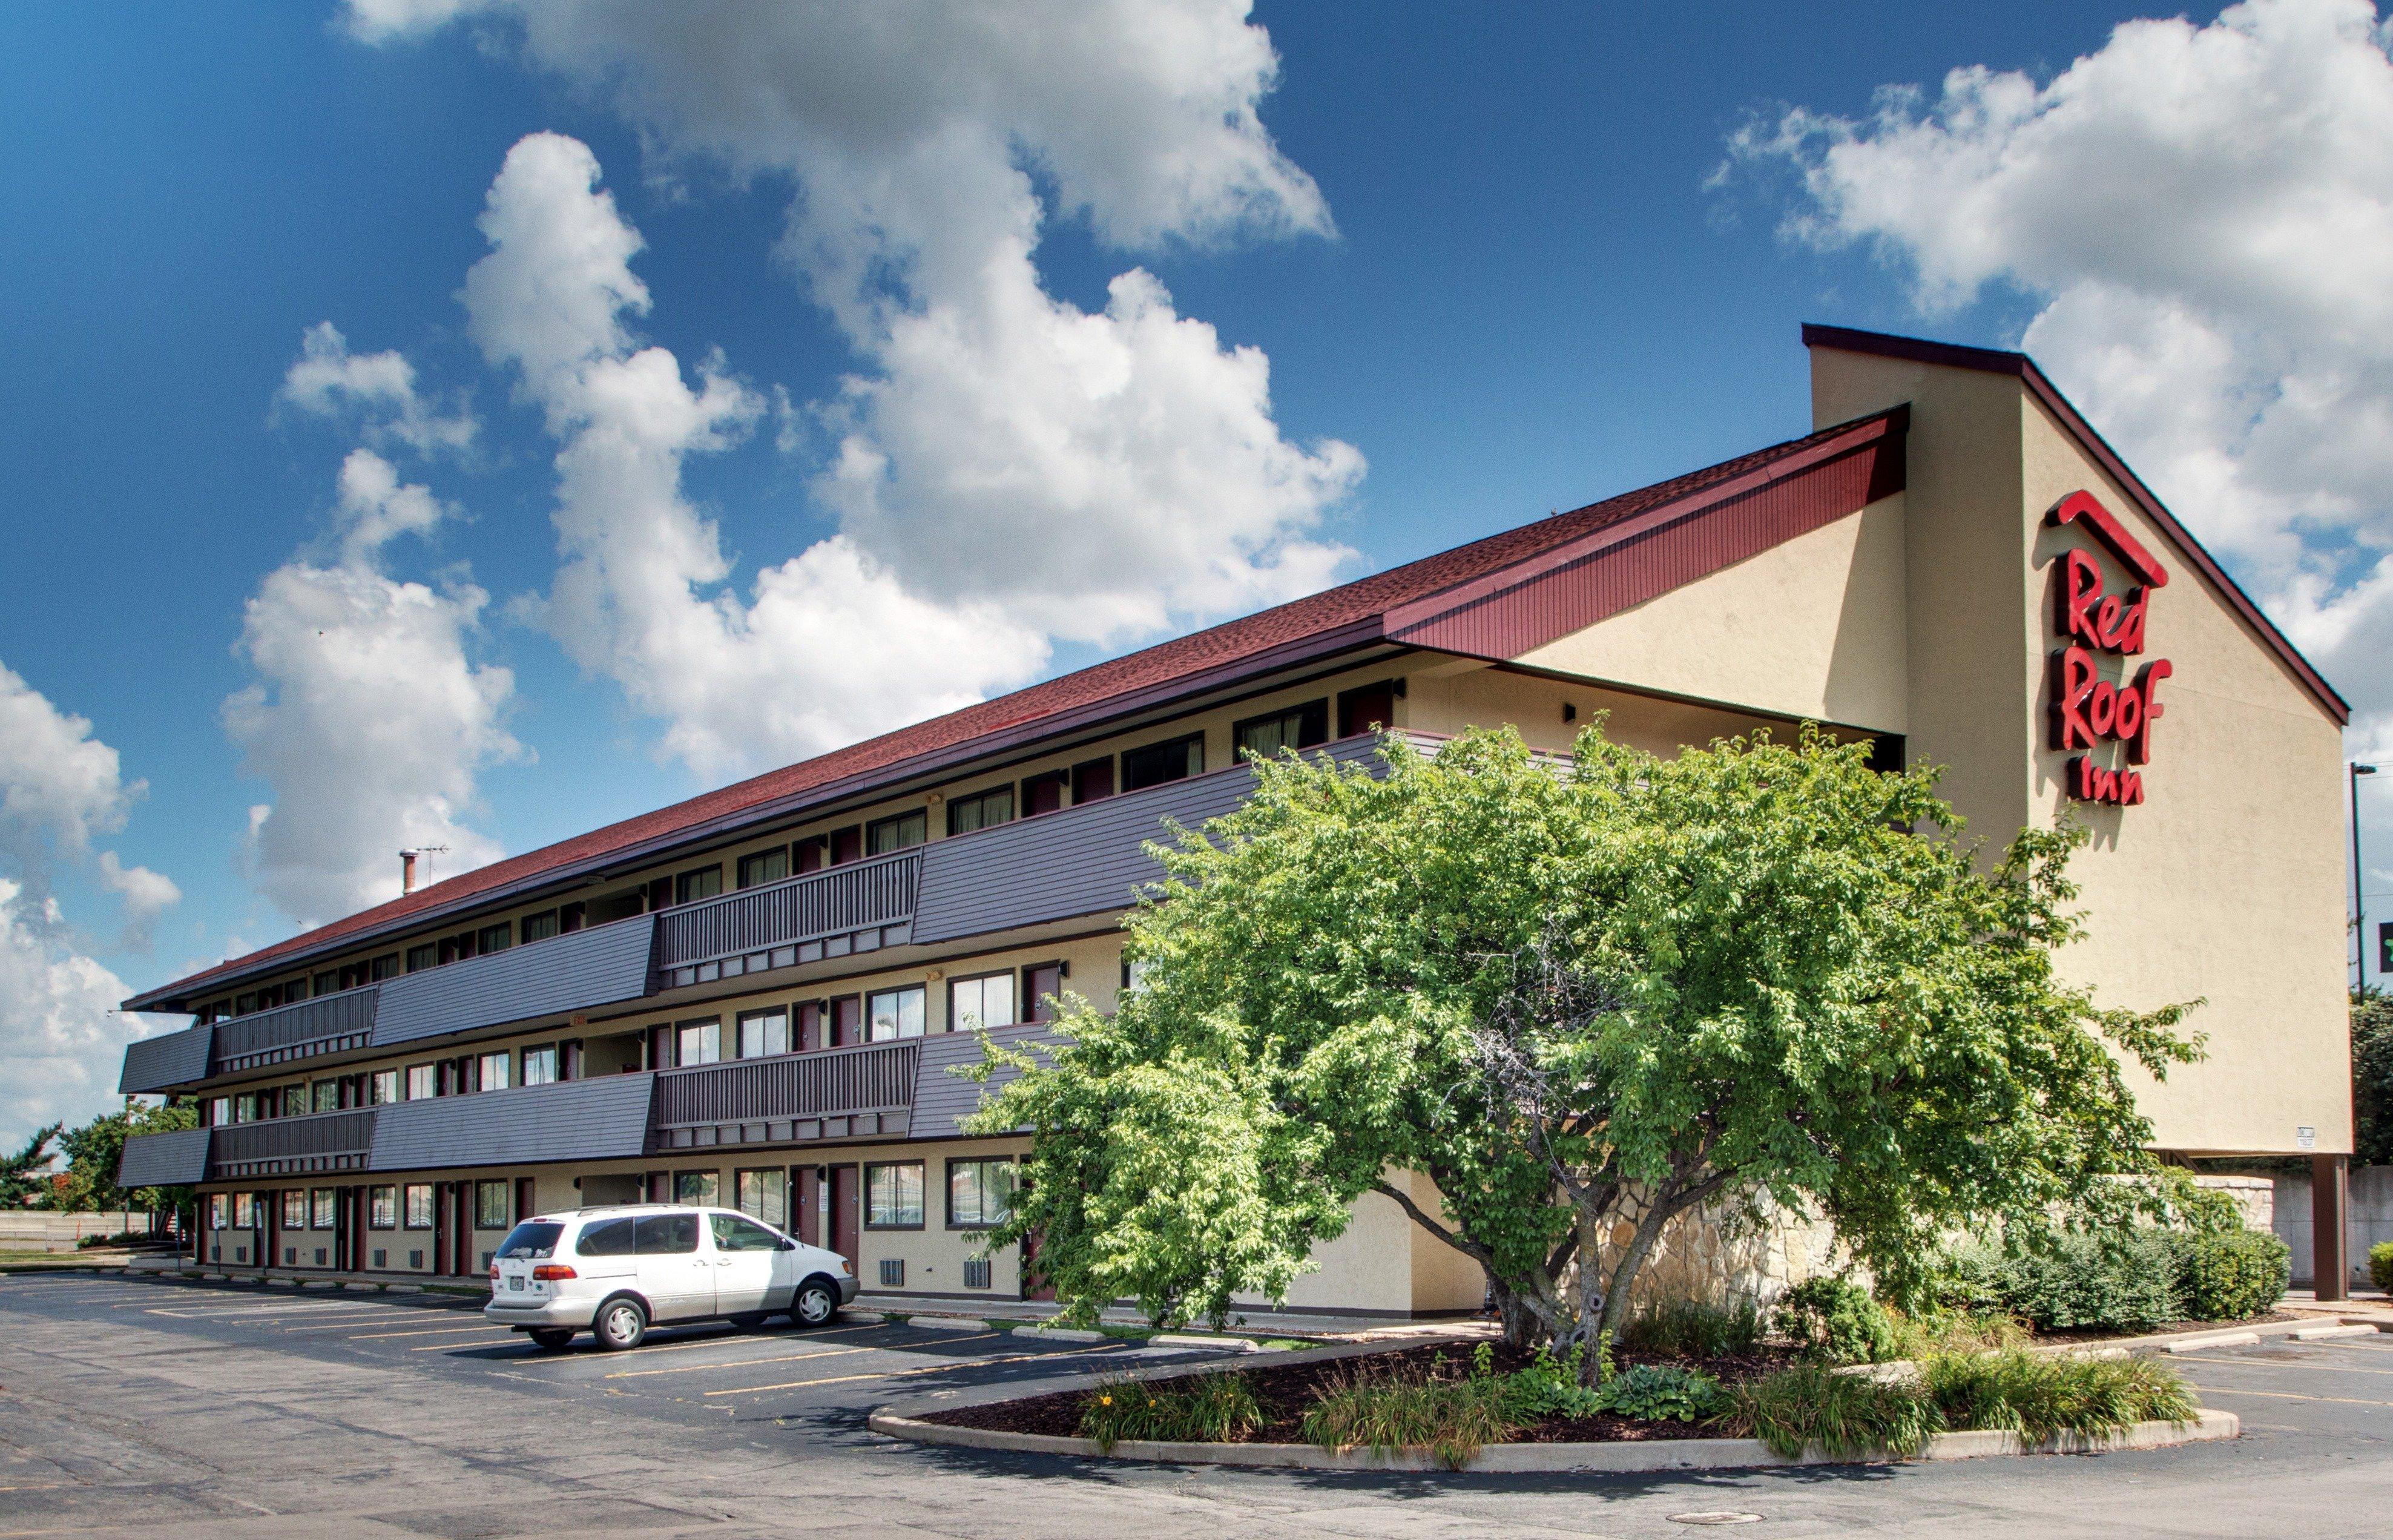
[
  {"x": 323, "y": 1142},
  {"x": 835, "y": 1093},
  {"x": 326, "y": 1024},
  {"x": 856, "y": 907}
]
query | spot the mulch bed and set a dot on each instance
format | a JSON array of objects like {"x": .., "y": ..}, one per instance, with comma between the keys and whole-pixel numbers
[{"x": 1287, "y": 1390}]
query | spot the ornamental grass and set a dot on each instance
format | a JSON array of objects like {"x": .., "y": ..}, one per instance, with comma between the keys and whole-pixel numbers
[
  {"x": 2036, "y": 1397},
  {"x": 1216, "y": 1408},
  {"x": 1451, "y": 1418}
]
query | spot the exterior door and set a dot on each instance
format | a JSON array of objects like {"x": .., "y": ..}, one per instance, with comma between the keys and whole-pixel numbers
[
  {"x": 806, "y": 1186},
  {"x": 751, "y": 1272},
  {"x": 676, "y": 1274},
  {"x": 1035, "y": 1284},
  {"x": 269, "y": 1229},
  {"x": 440, "y": 1231},
  {"x": 847, "y": 1213},
  {"x": 524, "y": 1194},
  {"x": 461, "y": 1225}
]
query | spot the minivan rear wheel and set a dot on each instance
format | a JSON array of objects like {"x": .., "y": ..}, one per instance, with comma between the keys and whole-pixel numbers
[
  {"x": 551, "y": 1338},
  {"x": 621, "y": 1324},
  {"x": 814, "y": 1304}
]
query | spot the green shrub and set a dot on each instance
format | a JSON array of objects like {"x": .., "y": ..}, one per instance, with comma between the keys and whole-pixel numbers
[
  {"x": 2380, "y": 1264},
  {"x": 2036, "y": 1397},
  {"x": 1689, "y": 1328},
  {"x": 2228, "y": 1274},
  {"x": 2079, "y": 1282},
  {"x": 1451, "y": 1418},
  {"x": 1545, "y": 1388},
  {"x": 1835, "y": 1321},
  {"x": 1206, "y": 1409},
  {"x": 1662, "y": 1392},
  {"x": 1844, "y": 1416}
]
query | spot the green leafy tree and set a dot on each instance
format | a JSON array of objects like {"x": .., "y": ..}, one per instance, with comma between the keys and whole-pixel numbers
[
  {"x": 1583, "y": 1000},
  {"x": 25, "y": 1176},
  {"x": 94, "y": 1150},
  {"x": 2372, "y": 1077}
]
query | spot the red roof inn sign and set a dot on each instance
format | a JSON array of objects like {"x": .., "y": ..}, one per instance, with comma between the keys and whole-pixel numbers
[{"x": 2089, "y": 713}]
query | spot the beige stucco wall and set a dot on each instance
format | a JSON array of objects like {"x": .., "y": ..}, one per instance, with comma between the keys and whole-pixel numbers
[
  {"x": 2225, "y": 884},
  {"x": 1812, "y": 628}
]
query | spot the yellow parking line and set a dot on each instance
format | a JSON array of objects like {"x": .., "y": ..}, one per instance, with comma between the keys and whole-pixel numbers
[
  {"x": 695, "y": 1369},
  {"x": 925, "y": 1369},
  {"x": 382, "y": 1318},
  {"x": 2285, "y": 1395},
  {"x": 748, "y": 1363},
  {"x": 444, "y": 1347},
  {"x": 716, "y": 1339},
  {"x": 418, "y": 1331},
  {"x": 2307, "y": 1367}
]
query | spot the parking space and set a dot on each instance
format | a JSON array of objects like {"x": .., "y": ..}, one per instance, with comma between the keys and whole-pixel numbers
[{"x": 774, "y": 1371}]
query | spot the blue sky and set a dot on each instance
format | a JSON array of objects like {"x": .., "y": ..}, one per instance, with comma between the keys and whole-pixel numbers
[{"x": 1521, "y": 282}]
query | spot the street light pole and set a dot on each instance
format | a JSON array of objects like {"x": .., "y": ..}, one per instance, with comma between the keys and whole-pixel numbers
[{"x": 2359, "y": 904}]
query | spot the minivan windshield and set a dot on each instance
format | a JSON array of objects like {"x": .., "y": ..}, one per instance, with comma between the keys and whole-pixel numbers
[{"x": 531, "y": 1238}]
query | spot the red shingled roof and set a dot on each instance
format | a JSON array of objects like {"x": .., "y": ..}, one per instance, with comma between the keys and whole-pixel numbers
[{"x": 1184, "y": 657}]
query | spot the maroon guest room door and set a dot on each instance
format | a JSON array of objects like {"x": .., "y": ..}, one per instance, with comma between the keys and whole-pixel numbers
[{"x": 846, "y": 1218}]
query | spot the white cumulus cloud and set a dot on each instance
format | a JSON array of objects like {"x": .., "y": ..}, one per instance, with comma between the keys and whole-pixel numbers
[
  {"x": 329, "y": 381},
  {"x": 2203, "y": 215},
  {"x": 1030, "y": 469},
  {"x": 60, "y": 790},
  {"x": 60, "y": 1039},
  {"x": 830, "y": 648},
  {"x": 370, "y": 718}
]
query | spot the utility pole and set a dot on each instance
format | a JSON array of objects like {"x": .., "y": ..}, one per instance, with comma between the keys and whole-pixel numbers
[{"x": 2359, "y": 903}]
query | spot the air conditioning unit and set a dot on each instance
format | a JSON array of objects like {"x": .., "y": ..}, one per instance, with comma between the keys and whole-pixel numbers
[
  {"x": 893, "y": 1273},
  {"x": 975, "y": 1272},
  {"x": 382, "y": 1259},
  {"x": 290, "y": 1256},
  {"x": 319, "y": 1255},
  {"x": 415, "y": 1259}
]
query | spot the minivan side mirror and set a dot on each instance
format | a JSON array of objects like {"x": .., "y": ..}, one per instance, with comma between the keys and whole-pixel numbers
[{"x": 787, "y": 1244}]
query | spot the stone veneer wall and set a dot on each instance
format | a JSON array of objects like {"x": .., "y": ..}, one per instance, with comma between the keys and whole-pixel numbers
[{"x": 1720, "y": 1254}]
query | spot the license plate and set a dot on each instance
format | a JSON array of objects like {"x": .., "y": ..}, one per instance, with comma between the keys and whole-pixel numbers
[{"x": 515, "y": 1283}]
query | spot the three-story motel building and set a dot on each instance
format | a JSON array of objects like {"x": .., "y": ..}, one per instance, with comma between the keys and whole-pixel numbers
[{"x": 754, "y": 997}]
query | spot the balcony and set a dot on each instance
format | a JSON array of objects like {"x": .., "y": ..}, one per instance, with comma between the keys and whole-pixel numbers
[
  {"x": 285, "y": 1146},
  {"x": 866, "y": 1090},
  {"x": 858, "y": 908},
  {"x": 325, "y": 1025}
]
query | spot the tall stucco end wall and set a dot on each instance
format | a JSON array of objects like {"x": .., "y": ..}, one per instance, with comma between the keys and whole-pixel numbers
[
  {"x": 2225, "y": 884},
  {"x": 1964, "y": 566},
  {"x": 1812, "y": 628}
]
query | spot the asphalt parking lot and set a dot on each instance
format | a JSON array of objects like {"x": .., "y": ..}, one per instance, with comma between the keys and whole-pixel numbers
[
  {"x": 832, "y": 1375},
  {"x": 132, "y": 1406}
]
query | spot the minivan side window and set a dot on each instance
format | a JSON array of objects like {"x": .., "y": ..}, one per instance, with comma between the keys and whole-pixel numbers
[
  {"x": 735, "y": 1233},
  {"x": 665, "y": 1234},
  {"x": 611, "y": 1239}
]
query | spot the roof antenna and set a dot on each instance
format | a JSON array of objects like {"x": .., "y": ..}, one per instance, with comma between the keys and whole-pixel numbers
[{"x": 407, "y": 866}]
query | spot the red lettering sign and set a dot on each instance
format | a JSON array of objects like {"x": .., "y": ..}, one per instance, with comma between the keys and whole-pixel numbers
[{"x": 2088, "y": 709}]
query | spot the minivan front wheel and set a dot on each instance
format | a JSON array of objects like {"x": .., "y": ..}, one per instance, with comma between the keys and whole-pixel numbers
[
  {"x": 621, "y": 1324},
  {"x": 815, "y": 1304}
]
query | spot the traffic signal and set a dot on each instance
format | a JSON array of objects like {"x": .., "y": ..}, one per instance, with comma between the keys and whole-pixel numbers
[{"x": 2384, "y": 946}]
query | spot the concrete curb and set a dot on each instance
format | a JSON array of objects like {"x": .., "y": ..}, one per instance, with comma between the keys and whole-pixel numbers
[
  {"x": 2195, "y": 1342},
  {"x": 1533, "y": 1458}
]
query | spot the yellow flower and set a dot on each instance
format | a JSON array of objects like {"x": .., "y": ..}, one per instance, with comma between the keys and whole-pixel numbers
[{"x": 1105, "y": 1401}]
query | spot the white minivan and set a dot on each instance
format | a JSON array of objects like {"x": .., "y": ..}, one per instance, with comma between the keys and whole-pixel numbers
[{"x": 617, "y": 1271}]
